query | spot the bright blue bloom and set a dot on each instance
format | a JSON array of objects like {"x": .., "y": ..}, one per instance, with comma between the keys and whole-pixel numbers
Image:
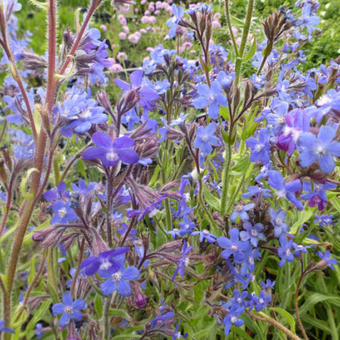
[
  {"x": 39, "y": 330},
  {"x": 205, "y": 235},
  {"x": 233, "y": 319},
  {"x": 285, "y": 251},
  {"x": 233, "y": 246},
  {"x": 260, "y": 302},
  {"x": 277, "y": 218},
  {"x": 4, "y": 329},
  {"x": 147, "y": 95},
  {"x": 69, "y": 309},
  {"x": 179, "y": 335},
  {"x": 59, "y": 193},
  {"x": 173, "y": 22},
  {"x": 210, "y": 96},
  {"x": 326, "y": 258},
  {"x": 257, "y": 191},
  {"x": 324, "y": 220},
  {"x": 321, "y": 149},
  {"x": 285, "y": 189},
  {"x": 130, "y": 118},
  {"x": 205, "y": 138},
  {"x": 110, "y": 151},
  {"x": 80, "y": 112},
  {"x": 106, "y": 262},
  {"x": 119, "y": 281},
  {"x": 260, "y": 148},
  {"x": 23, "y": 148},
  {"x": 183, "y": 261},
  {"x": 187, "y": 226},
  {"x": 241, "y": 211},
  {"x": 64, "y": 213},
  {"x": 252, "y": 233}
]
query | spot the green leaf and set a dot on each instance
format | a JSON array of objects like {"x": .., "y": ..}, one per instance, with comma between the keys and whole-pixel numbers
[
  {"x": 316, "y": 298},
  {"x": 304, "y": 216},
  {"x": 212, "y": 200},
  {"x": 252, "y": 51},
  {"x": 289, "y": 317},
  {"x": 98, "y": 305},
  {"x": 39, "y": 314},
  {"x": 241, "y": 333},
  {"x": 335, "y": 201},
  {"x": 119, "y": 312}
]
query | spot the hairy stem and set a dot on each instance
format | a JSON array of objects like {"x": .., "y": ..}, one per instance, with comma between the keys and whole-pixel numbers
[{"x": 297, "y": 307}]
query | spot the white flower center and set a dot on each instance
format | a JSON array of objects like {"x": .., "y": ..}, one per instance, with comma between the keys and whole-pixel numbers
[
  {"x": 278, "y": 221},
  {"x": 205, "y": 138},
  {"x": 111, "y": 156},
  {"x": 234, "y": 247},
  {"x": 105, "y": 265},
  {"x": 233, "y": 319},
  {"x": 320, "y": 150},
  {"x": 117, "y": 276},
  {"x": 261, "y": 300},
  {"x": 85, "y": 114},
  {"x": 254, "y": 232},
  {"x": 258, "y": 147},
  {"x": 62, "y": 212}
]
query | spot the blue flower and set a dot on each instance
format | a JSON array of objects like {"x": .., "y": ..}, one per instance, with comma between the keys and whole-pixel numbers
[
  {"x": 119, "y": 281},
  {"x": 233, "y": 319},
  {"x": 285, "y": 251},
  {"x": 260, "y": 302},
  {"x": 257, "y": 191},
  {"x": 260, "y": 149},
  {"x": 233, "y": 246},
  {"x": 325, "y": 258},
  {"x": 173, "y": 22},
  {"x": 69, "y": 309},
  {"x": 147, "y": 95},
  {"x": 64, "y": 213},
  {"x": 252, "y": 233},
  {"x": 241, "y": 211},
  {"x": 210, "y": 96},
  {"x": 285, "y": 189},
  {"x": 4, "y": 329},
  {"x": 106, "y": 262},
  {"x": 110, "y": 151},
  {"x": 39, "y": 330},
  {"x": 205, "y": 138},
  {"x": 205, "y": 235},
  {"x": 321, "y": 149},
  {"x": 183, "y": 261},
  {"x": 277, "y": 218}
]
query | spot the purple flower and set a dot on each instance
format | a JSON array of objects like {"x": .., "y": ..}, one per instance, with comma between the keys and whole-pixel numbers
[
  {"x": 260, "y": 302},
  {"x": 324, "y": 220},
  {"x": 316, "y": 194},
  {"x": 69, "y": 309},
  {"x": 321, "y": 149},
  {"x": 205, "y": 138},
  {"x": 256, "y": 191},
  {"x": 119, "y": 281},
  {"x": 210, "y": 96},
  {"x": 110, "y": 151},
  {"x": 59, "y": 193},
  {"x": 105, "y": 262},
  {"x": 64, "y": 213},
  {"x": 205, "y": 235},
  {"x": 260, "y": 149},
  {"x": 285, "y": 189}
]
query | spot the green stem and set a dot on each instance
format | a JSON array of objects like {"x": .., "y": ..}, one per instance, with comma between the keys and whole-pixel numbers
[
  {"x": 264, "y": 317},
  {"x": 225, "y": 180},
  {"x": 227, "y": 14},
  {"x": 243, "y": 42}
]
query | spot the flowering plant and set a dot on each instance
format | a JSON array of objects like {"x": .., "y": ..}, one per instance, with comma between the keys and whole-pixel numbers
[{"x": 192, "y": 201}]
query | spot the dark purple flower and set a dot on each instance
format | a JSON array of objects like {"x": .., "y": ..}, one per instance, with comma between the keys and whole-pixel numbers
[
  {"x": 106, "y": 262},
  {"x": 110, "y": 151}
]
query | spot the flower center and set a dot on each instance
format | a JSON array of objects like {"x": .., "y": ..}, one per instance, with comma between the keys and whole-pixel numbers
[
  {"x": 117, "y": 276},
  {"x": 261, "y": 300},
  {"x": 205, "y": 138},
  {"x": 233, "y": 319},
  {"x": 68, "y": 310},
  {"x": 85, "y": 114},
  {"x": 234, "y": 247},
  {"x": 278, "y": 221},
  {"x": 320, "y": 150},
  {"x": 254, "y": 232},
  {"x": 111, "y": 156},
  {"x": 258, "y": 147},
  {"x": 62, "y": 212},
  {"x": 105, "y": 265}
]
